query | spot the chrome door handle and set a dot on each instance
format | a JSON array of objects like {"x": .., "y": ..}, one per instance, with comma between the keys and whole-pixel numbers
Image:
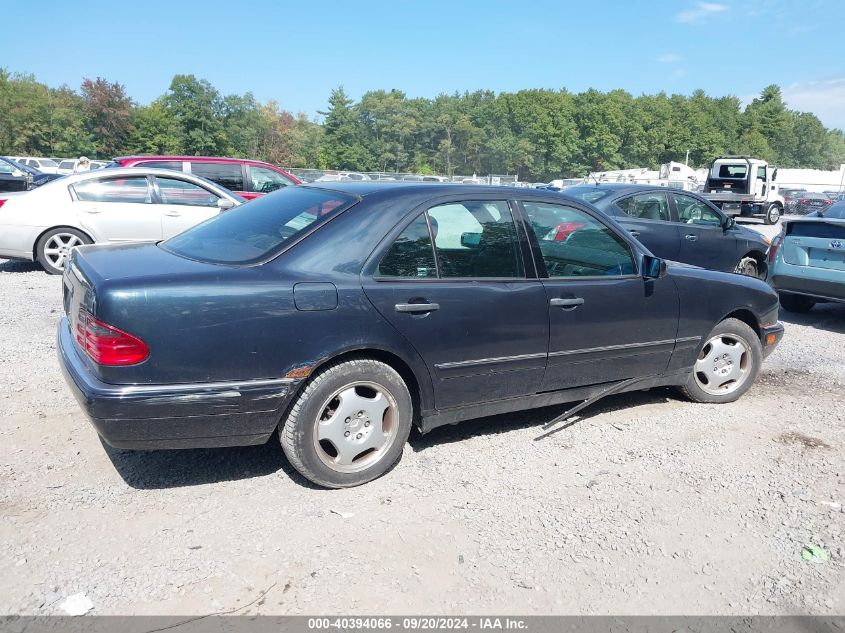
[
  {"x": 417, "y": 307},
  {"x": 634, "y": 233},
  {"x": 172, "y": 214},
  {"x": 93, "y": 211},
  {"x": 574, "y": 302},
  {"x": 691, "y": 238}
]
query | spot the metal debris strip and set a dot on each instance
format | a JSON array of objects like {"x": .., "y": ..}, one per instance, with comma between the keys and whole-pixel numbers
[{"x": 615, "y": 388}]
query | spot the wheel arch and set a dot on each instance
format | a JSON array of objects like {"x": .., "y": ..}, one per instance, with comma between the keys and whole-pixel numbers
[
  {"x": 746, "y": 316},
  {"x": 421, "y": 395},
  {"x": 762, "y": 262},
  {"x": 53, "y": 228}
]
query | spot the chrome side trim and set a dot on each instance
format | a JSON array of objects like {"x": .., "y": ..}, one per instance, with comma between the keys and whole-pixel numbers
[
  {"x": 688, "y": 339},
  {"x": 610, "y": 348},
  {"x": 199, "y": 388},
  {"x": 587, "y": 350},
  {"x": 489, "y": 361}
]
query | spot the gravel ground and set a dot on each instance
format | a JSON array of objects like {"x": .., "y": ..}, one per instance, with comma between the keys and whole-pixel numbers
[{"x": 648, "y": 505}]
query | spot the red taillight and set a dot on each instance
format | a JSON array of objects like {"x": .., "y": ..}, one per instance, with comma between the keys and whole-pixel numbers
[
  {"x": 107, "y": 345},
  {"x": 2, "y": 201},
  {"x": 773, "y": 249},
  {"x": 803, "y": 201},
  {"x": 565, "y": 229}
]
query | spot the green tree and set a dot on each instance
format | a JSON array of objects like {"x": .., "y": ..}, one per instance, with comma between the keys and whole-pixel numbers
[
  {"x": 342, "y": 141},
  {"x": 107, "y": 115},
  {"x": 198, "y": 109}
]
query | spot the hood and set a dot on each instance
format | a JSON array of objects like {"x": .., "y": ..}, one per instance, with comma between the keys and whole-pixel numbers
[{"x": 750, "y": 234}]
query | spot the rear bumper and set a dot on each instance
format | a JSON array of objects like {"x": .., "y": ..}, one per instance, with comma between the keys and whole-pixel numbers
[
  {"x": 827, "y": 284},
  {"x": 16, "y": 242},
  {"x": 770, "y": 337},
  {"x": 192, "y": 415}
]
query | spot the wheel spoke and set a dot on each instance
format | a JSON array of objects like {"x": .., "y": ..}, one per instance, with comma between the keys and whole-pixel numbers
[{"x": 332, "y": 429}]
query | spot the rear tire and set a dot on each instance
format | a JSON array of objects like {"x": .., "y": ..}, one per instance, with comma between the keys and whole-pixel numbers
[
  {"x": 773, "y": 213},
  {"x": 796, "y": 303},
  {"x": 727, "y": 364},
  {"x": 349, "y": 424},
  {"x": 54, "y": 247}
]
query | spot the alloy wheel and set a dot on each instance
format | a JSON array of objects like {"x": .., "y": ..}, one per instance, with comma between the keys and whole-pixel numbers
[
  {"x": 356, "y": 427},
  {"x": 57, "y": 248},
  {"x": 723, "y": 365}
]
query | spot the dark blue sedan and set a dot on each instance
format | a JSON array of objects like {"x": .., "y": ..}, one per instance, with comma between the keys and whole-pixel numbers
[
  {"x": 342, "y": 315},
  {"x": 680, "y": 226}
]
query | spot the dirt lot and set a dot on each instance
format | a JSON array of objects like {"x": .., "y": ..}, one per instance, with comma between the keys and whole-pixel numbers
[{"x": 648, "y": 505}]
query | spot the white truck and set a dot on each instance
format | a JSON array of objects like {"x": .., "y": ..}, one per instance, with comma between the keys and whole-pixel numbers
[{"x": 744, "y": 186}]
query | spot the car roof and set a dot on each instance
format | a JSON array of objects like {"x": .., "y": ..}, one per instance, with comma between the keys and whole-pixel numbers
[
  {"x": 624, "y": 187},
  {"x": 363, "y": 188},
  {"x": 205, "y": 159}
]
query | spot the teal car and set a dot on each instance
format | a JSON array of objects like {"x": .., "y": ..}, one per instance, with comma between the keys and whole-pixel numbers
[{"x": 807, "y": 259}]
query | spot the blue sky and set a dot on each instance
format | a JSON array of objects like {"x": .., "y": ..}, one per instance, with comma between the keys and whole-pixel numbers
[{"x": 297, "y": 52}]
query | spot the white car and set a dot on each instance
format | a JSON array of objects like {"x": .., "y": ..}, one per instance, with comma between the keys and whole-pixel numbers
[
  {"x": 46, "y": 165},
  {"x": 106, "y": 205},
  {"x": 66, "y": 166}
]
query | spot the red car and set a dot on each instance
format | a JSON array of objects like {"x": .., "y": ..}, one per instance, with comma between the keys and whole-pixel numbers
[{"x": 248, "y": 178}]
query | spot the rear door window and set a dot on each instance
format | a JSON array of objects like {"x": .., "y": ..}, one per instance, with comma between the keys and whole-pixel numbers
[
  {"x": 476, "y": 239},
  {"x": 646, "y": 206},
  {"x": 411, "y": 255},
  {"x": 229, "y": 175},
  {"x": 131, "y": 189}
]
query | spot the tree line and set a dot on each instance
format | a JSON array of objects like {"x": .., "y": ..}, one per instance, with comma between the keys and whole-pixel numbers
[{"x": 537, "y": 134}]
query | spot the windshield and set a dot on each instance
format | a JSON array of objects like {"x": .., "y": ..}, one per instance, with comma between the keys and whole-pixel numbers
[
  {"x": 587, "y": 194},
  {"x": 835, "y": 211},
  {"x": 260, "y": 229}
]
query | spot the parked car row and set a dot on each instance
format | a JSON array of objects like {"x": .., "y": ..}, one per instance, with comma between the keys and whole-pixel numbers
[
  {"x": 680, "y": 226},
  {"x": 247, "y": 178},
  {"x": 132, "y": 204},
  {"x": 16, "y": 176},
  {"x": 802, "y": 202}
]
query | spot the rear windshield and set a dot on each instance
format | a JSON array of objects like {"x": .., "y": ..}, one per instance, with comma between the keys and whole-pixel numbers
[
  {"x": 587, "y": 194},
  {"x": 260, "y": 229},
  {"x": 733, "y": 171}
]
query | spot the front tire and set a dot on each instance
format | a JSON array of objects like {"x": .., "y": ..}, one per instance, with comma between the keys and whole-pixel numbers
[
  {"x": 349, "y": 424},
  {"x": 727, "y": 364},
  {"x": 773, "y": 213},
  {"x": 796, "y": 303},
  {"x": 53, "y": 248}
]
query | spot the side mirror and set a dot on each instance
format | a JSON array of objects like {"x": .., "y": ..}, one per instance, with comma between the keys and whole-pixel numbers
[
  {"x": 470, "y": 240},
  {"x": 653, "y": 267},
  {"x": 729, "y": 223},
  {"x": 224, "y": 204}
]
